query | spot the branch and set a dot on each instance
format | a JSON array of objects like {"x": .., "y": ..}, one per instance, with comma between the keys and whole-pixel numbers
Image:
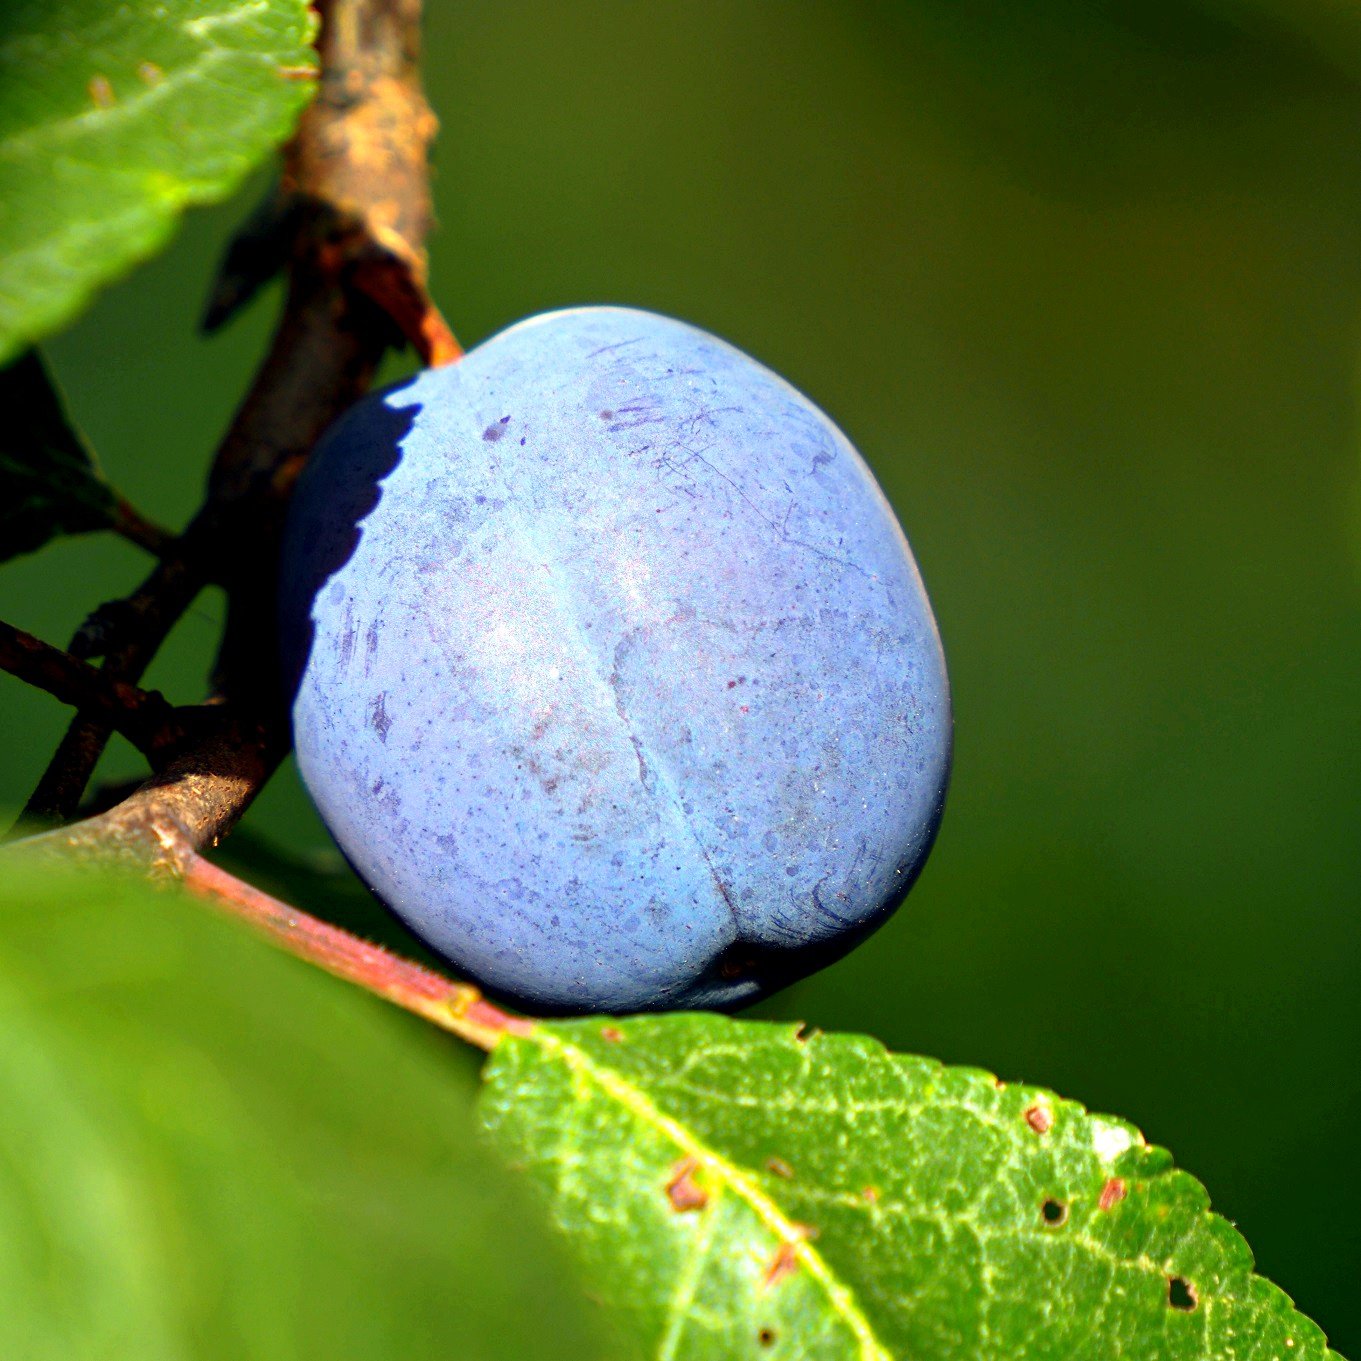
[
  {"x": 456, "y": 1007},
  {"x": 144, "y": 717},
  {"x": 128, "y": 634},
  {"x": 357, "y": 181},
  {"x": 129, "y": 523},
  {"x": 357, "y": 166}
]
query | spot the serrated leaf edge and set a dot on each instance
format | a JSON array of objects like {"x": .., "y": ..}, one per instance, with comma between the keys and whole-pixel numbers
[
  {"x": 789, "y": 1234},
  {"x": 638, "y": 1104}
]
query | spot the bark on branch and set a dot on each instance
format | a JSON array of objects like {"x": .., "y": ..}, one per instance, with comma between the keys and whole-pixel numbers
[
  {"x": 356, "y": 186},
  {"x": 358, "y": 172},
  {"x": 144, "y": 717}
]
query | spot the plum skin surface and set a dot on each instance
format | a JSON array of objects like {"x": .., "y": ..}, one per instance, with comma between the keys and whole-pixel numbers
[{"x": 613, "y": 675}]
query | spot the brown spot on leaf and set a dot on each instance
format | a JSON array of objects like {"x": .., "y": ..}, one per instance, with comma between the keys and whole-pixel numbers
[
  {"x": 1039, "y": 1117},
  {"x": 1112, "y": 1193},
  {"x": 149, "y": 73},
  {"x": 766, "y": 1337},
  {"x": 611, "y": 1034},
  {"x": 871, "y": 1194},
  {"x": 683, "y": 1191},
  {"x": 298, "y": 72},
  {"x": 101, "y": 92},
  {"x": 784, "y": 1263},
  {"x": 780, "y": 1168},
  {"x": 1181, "y": 1294}
]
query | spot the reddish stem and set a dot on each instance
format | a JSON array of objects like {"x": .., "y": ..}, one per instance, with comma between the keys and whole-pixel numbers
[{"x": 456, "y": 1007}]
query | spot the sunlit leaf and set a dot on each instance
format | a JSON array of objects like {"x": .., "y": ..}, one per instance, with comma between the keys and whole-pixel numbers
[
  {"x": 733, "y": 1189},
  {"x": 113, "y": 118}
]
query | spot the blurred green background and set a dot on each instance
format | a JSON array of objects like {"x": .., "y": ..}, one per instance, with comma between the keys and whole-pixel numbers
[{"x": 1083, "y": 282}]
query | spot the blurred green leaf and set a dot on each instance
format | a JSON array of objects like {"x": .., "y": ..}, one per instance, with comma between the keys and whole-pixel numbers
[
  {"x": 115, "y": 117},
  {"x": 735, "y": 1190},
  {"x": 210, "y": 1150},
  {"x": 49, "y": 484}
]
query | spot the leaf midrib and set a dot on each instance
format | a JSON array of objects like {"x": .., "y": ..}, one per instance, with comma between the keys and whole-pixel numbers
[{"x": 731, "y": 1176}]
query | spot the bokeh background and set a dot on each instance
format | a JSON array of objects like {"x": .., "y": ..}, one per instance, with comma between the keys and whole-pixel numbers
[{"x": 1083, "y": 282}]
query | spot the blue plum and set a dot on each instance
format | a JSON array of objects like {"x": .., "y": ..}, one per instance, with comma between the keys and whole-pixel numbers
[{"x": 613, "y": 675}]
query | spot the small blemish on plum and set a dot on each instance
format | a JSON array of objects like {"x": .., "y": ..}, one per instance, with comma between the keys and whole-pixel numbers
[
  {"x": 378, "y": 716},
  {"x": 607, "y": 415},
  {"x": 493, "y": 432}
]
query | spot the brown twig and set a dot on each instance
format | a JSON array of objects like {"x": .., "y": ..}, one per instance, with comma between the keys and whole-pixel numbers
[
  {"x": 357, "y": 168},
  {"x": 357, "y": 177},
  {"x": 129, "y": 523},
  {"x": 127, "y": 635},
  {"x": 144, "y": 717}
]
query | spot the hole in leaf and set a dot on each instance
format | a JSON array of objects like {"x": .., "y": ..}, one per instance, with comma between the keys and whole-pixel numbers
[
  {"x": 1181, "y": 1294},
  {"x": 1055, "y": 1213}
]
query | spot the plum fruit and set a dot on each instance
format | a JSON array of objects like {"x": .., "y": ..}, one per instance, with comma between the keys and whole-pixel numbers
[{"x": 612, "y": 672}]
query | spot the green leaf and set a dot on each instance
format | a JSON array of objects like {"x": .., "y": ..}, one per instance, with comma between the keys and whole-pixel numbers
[
  {"x": 735, "y": 1190},
  {"x": 48, "y": 481},
  {"x": 113, "y": 118},
  {"x": 209, "y": 1150}
]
